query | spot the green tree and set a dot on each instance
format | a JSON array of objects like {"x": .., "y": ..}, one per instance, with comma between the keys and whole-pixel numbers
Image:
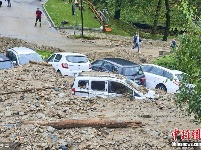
[
  {"x": 188, "y": 57},
  {"x": 117, "y": 12},
  {"x": 158, "y": 9}
]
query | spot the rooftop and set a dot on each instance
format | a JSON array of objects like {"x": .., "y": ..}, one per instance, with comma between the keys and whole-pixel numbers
[
  {"x": 100, "y": 74},
  {"x": 22, "y": 50},
  {"x": 67, "y": 53},
  {"x": 166, "y": 69}
]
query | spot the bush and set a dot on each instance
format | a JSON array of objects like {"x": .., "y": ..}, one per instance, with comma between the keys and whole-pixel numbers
[
  {"x": 167, "y": 61},
  {"x": 44, "y": 53}
]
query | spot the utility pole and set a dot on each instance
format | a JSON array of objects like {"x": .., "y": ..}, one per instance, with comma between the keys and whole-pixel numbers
[{"x": 82, "y": 15}]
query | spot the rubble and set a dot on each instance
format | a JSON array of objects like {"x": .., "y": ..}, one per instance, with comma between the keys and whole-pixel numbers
[
  {"x": 57, "y": 103},
  {"x": 43, "y": 95}
]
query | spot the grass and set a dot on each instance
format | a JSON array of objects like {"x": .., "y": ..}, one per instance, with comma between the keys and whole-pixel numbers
[
  {"x": 44, "y": 53},
  {"x": 62, "y": 11}
]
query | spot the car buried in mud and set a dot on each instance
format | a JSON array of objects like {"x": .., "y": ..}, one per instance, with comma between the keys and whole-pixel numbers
[{"x": 107, "y": 85}]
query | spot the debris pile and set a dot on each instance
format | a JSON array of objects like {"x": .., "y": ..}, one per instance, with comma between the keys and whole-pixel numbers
[{"x": 34, "y": 94}]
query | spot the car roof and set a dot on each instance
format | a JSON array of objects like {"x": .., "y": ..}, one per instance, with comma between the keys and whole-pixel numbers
[
  {"x": 177, "y": 71},
  {"x": 3, "y": 57},
  {"x": 22, "y": 50},
  {"x": 105, "y": 76},
  {"x": 66, "y": 53},
  {"x": 166, "y": 69},
  {"x": 120, "y": 61},
  {"x": 95, "y": 74}
]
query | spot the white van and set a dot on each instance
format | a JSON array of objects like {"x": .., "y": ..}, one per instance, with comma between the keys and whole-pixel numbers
[{"x": 106, "y": 85}]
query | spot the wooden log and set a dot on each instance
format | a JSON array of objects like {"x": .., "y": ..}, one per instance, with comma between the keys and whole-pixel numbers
[
  {"x": 40, "y": 63},
  {"x": 73, "y": 123}
]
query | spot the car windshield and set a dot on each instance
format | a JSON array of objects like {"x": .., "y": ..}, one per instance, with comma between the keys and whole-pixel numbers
[
  {"x": 25, "y": 58},
  {"x": 130, "y": 71},
  {"x": 77, "y": 59},
  {"x": 6, "y": 64}
]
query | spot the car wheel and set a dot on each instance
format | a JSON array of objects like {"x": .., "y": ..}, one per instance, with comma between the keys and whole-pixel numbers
[{"x": 161, "y": 87}]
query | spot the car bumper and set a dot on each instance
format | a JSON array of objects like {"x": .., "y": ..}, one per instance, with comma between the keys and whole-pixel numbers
[{"x": 72, "y": 72}]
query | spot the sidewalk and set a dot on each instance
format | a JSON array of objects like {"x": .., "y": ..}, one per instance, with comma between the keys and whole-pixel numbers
[{"x": 18, "y": 22}]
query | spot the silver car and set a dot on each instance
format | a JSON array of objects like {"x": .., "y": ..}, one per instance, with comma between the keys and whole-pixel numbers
[{"x": 22, "y": 55}]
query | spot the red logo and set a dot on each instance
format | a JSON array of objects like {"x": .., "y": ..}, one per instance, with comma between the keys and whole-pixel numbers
[{"x": 187, "y": 134}]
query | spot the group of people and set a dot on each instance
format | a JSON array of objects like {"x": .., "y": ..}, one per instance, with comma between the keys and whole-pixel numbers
[{"x": 137, "y": 41}]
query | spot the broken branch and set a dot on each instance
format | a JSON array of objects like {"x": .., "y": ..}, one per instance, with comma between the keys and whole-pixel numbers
[{"x": 39, "y": 63}]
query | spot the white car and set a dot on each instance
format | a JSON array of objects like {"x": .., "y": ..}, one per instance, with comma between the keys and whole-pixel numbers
[
  {"x": 69, "y": 64},
  {"x": 162, "y": 78},
  {"x": 107, "y": 85},
  {"x": 22, "y": 55}
]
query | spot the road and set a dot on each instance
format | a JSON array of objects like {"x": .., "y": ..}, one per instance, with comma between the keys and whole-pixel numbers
[{"x": 18, "y": 22}]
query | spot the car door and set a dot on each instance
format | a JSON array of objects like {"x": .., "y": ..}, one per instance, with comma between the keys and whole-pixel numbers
[
  {"x": 97, "y": 65},
  {"x": 170, "y": 83},
  {"x": 116, "y": 89},
  {"x": 98, "y": 88},
  {"x": 56, "y": 62},
  {"x": 83, "y": 88},
  {"x": 154, "y": 77},
  {"x": 107, "y": 67}
]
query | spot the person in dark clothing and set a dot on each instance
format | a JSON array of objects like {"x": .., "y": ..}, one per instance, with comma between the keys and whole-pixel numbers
[
  {"x": 38, "y": 16},
  {"x": 173, "y": 44},
  {"x": 136, "y": 42},
  {"x": 9, "y": 3}
]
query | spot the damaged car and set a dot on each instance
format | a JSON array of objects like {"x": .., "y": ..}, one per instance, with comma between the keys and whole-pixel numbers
[{"x": 107, "y": 85}]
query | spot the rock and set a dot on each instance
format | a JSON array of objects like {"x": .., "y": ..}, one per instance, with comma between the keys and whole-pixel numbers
[
  {"x": 8, "y": 113},
  {"x": 56, "y": 89},
  {"x": 21, "y": 113},
  {"x": 32, "y": 107},
  {"x": 50, "y": 129},
  {"x": 146, "y": 116},
  {"x": 61, "y": 95},
  {"x": 63, "y": 147}
]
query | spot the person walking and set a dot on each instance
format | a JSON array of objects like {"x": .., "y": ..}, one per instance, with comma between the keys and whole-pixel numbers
[
  {"x": 9, "y": 3},
  {"x": 38, "y": 16},
  {"x": 136, "y": 42}
]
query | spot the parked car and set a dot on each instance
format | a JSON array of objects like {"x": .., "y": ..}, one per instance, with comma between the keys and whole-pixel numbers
[
  {"x": 5, "y": 62},
  {"x": 124, "y": 67},
  {"x": 162, "y": 78},
  {"x": 22, "y": 55},
  {"x": 69, "y": 64},
  {"x": 106, "y": 85}
]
